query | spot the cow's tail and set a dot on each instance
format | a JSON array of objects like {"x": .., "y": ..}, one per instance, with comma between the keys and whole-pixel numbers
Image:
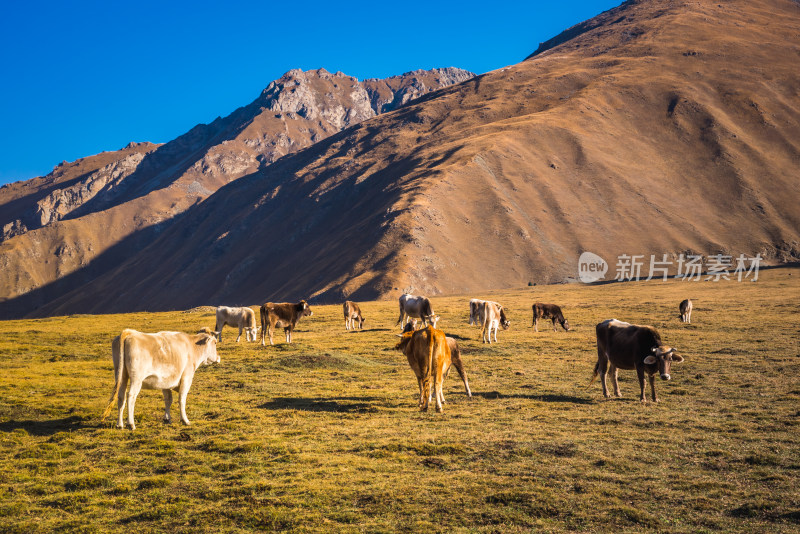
[
  {"x": 263, "y": 314},
  {"x": 594, "y": 376},
  {"x": 120, "y": 370}
]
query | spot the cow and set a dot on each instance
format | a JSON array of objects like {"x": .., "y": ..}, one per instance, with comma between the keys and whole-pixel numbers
[
  {"x": 627, "y": 346},
  {"x": 420, "y": 307},
  {"x": 474, "y": 304},
  {"x": 548, "y": 311},
  {"x": 429, "y": 356},
  {"x": 686, "y": 311},
  {"x": 283, "y": 314},
  {"x": 491, "y": 316},
  {"x": 243, "y": 318},
  {"x": 352, "y": 312},
  {"x": 165, "y": 361}
]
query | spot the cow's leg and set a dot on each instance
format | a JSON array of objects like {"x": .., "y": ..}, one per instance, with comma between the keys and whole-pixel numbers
[
  {"x": 437, "y": 386},
  {"x": 460, "y": 368},
  {"x": 419, "y": 400},
  {"x": 640, "y": 375},
  {"x": 614, "y": 372},
  {"x": 271, "y": 330},
  {"x": 136, "y": 386},
  {"x": 689, "y": 317},
  {"x": 218, "y": 328},
  {"x": 602, "y": 369},
  {"x": 288, "y": 333},
  {"x": 535, "y": 324},
  {"x": 653, "y": 387},
  {"x": 554, "y": 325},
  {"x": 240, "y": 333},
  {"x": 183, "y": 392},
  {"x": 123, "y": 386},
  {"x": 167, "y": 404},
  {"x": 426, "y": 392},
  {"x": 495, "y": 333}
]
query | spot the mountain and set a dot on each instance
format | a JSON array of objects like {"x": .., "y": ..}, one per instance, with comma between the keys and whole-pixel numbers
[
  {"x": 63, "y": 230},
  {"x": 658, "y": 127}
]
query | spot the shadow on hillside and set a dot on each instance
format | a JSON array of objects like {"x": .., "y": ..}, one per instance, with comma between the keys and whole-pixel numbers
[
  {"x": 44, "y": 428},
  {"x": 542, "y": 398},
  {"x": 322, "y": 404}
]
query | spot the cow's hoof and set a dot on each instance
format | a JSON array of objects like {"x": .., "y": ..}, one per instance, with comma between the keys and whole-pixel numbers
[
  {"x": 167, "y": 421},
  {"x": 619, "y": 395},
  {"x": 120, "y": 426}
]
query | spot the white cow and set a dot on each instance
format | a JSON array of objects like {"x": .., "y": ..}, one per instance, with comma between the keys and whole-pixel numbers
[
  {"x": 165, "y": 361},
  {"x": 491, "y": 315},
  {"x": 352, "y": 315},
  {"x": 416, "y": 307},
  {"x": 243, "y": 318}
]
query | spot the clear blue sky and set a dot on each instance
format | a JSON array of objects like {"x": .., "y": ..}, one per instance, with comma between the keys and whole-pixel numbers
[{"x": 82, "y": 77}]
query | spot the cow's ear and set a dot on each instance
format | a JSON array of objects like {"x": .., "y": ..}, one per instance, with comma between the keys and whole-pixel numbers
[
  {"x": 677, "y": 358},
  {"x": 650, "y": 360}
]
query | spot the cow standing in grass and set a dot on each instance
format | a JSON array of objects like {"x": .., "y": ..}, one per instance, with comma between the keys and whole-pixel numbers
[
  {"x": 242, "y": 318},
  {"x": 283, "y": 314},
  {"x": 165, "y": 361},
  {"x": 416, "y": 307},
  {"x": 548, "y": 311},
  {"x": 352, "y": 313},
  {"x": 428, "y": 354},
  {"x": 686, "y": 311},
  {"x": 627, "y": 346}
]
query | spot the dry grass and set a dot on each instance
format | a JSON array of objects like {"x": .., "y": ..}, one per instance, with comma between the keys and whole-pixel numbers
[{"x": 324, "y": 434}]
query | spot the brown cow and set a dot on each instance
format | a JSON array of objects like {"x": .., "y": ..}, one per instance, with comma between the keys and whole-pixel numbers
[
  {"x": 429, "y": 356},
  {"x": 627, "y": 346},
  {"x": 686, "y": 311},
  {"x": 283, "y": 314},
  {"x": 548, "y": 311},
  {"x": 352, "y": 313}
]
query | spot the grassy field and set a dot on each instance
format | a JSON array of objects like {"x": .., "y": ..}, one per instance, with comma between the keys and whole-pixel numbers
[{"x": 325, "y": 435}]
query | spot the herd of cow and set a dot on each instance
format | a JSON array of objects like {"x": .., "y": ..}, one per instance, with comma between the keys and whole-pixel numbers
[{"x": 168, "y": 360}]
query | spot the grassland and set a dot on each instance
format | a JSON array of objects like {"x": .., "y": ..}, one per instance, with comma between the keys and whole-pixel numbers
[{"x": 324, "y": 434}]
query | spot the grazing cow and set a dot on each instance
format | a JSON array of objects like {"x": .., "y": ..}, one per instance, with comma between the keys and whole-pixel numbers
[
  {"x": 244, "y": 318},
  {"x": 420, "y": 307},
  {"x": 627, "y": 346},
  {"x": 352, "y": 313},
  {"x": 283, "y": 314},
  {"x": 491, "y": 315},
  {"x": 165, "y": 361},
  {"x": 474, "y": 305},
  {"x": 429, "y": 356},
  {"x": 686, "y": 311},
  {"x": 548, "y": 311}
]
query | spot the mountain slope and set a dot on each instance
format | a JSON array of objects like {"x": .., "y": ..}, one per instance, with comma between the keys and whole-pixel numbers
[
  {"x": 662, "y": 127},
  {"x": 65, "y": 229}
]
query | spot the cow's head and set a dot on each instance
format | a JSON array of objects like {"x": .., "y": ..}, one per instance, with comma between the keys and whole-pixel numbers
[
  {"x": 361, "y": 321},
  {"x": 304, "y": 309},
  {"x": 405, "y": 336},
  {"x": 251, "y": 332},
  {"x": 207, "y": 343},
  {"x": 565, "y": 325},
  {"x": 504, "y": 322},
  {"x": 663, "y": 357},
  {"x": 433, "y": 319}
]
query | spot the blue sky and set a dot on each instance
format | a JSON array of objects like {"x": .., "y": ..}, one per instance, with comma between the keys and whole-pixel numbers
[{"x": 82, "y": 77}]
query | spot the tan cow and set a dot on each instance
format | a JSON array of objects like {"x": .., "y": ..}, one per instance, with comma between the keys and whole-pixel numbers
[
  {"x": 243, "y": 318},
  {"x": 282, "y": 314},
  {"x": 412, "y": 307},
  {"x": 165, "y": 361},
  {"x": 352, "y": 313},
  {"x": 429, "y": 356},
  {"x": 491, "y": 316},
  {"x": 686, "y": 311}
]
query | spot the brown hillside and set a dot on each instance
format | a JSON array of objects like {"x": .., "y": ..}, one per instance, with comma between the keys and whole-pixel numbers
[
  {"x": 63, "y": 230},
  {"x": 661, "y": 127}
]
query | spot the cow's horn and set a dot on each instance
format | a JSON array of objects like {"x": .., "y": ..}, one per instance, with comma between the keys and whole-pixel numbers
[
  {"x": 654, "y": 349},
  {"x": 671, "y": 351}
]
